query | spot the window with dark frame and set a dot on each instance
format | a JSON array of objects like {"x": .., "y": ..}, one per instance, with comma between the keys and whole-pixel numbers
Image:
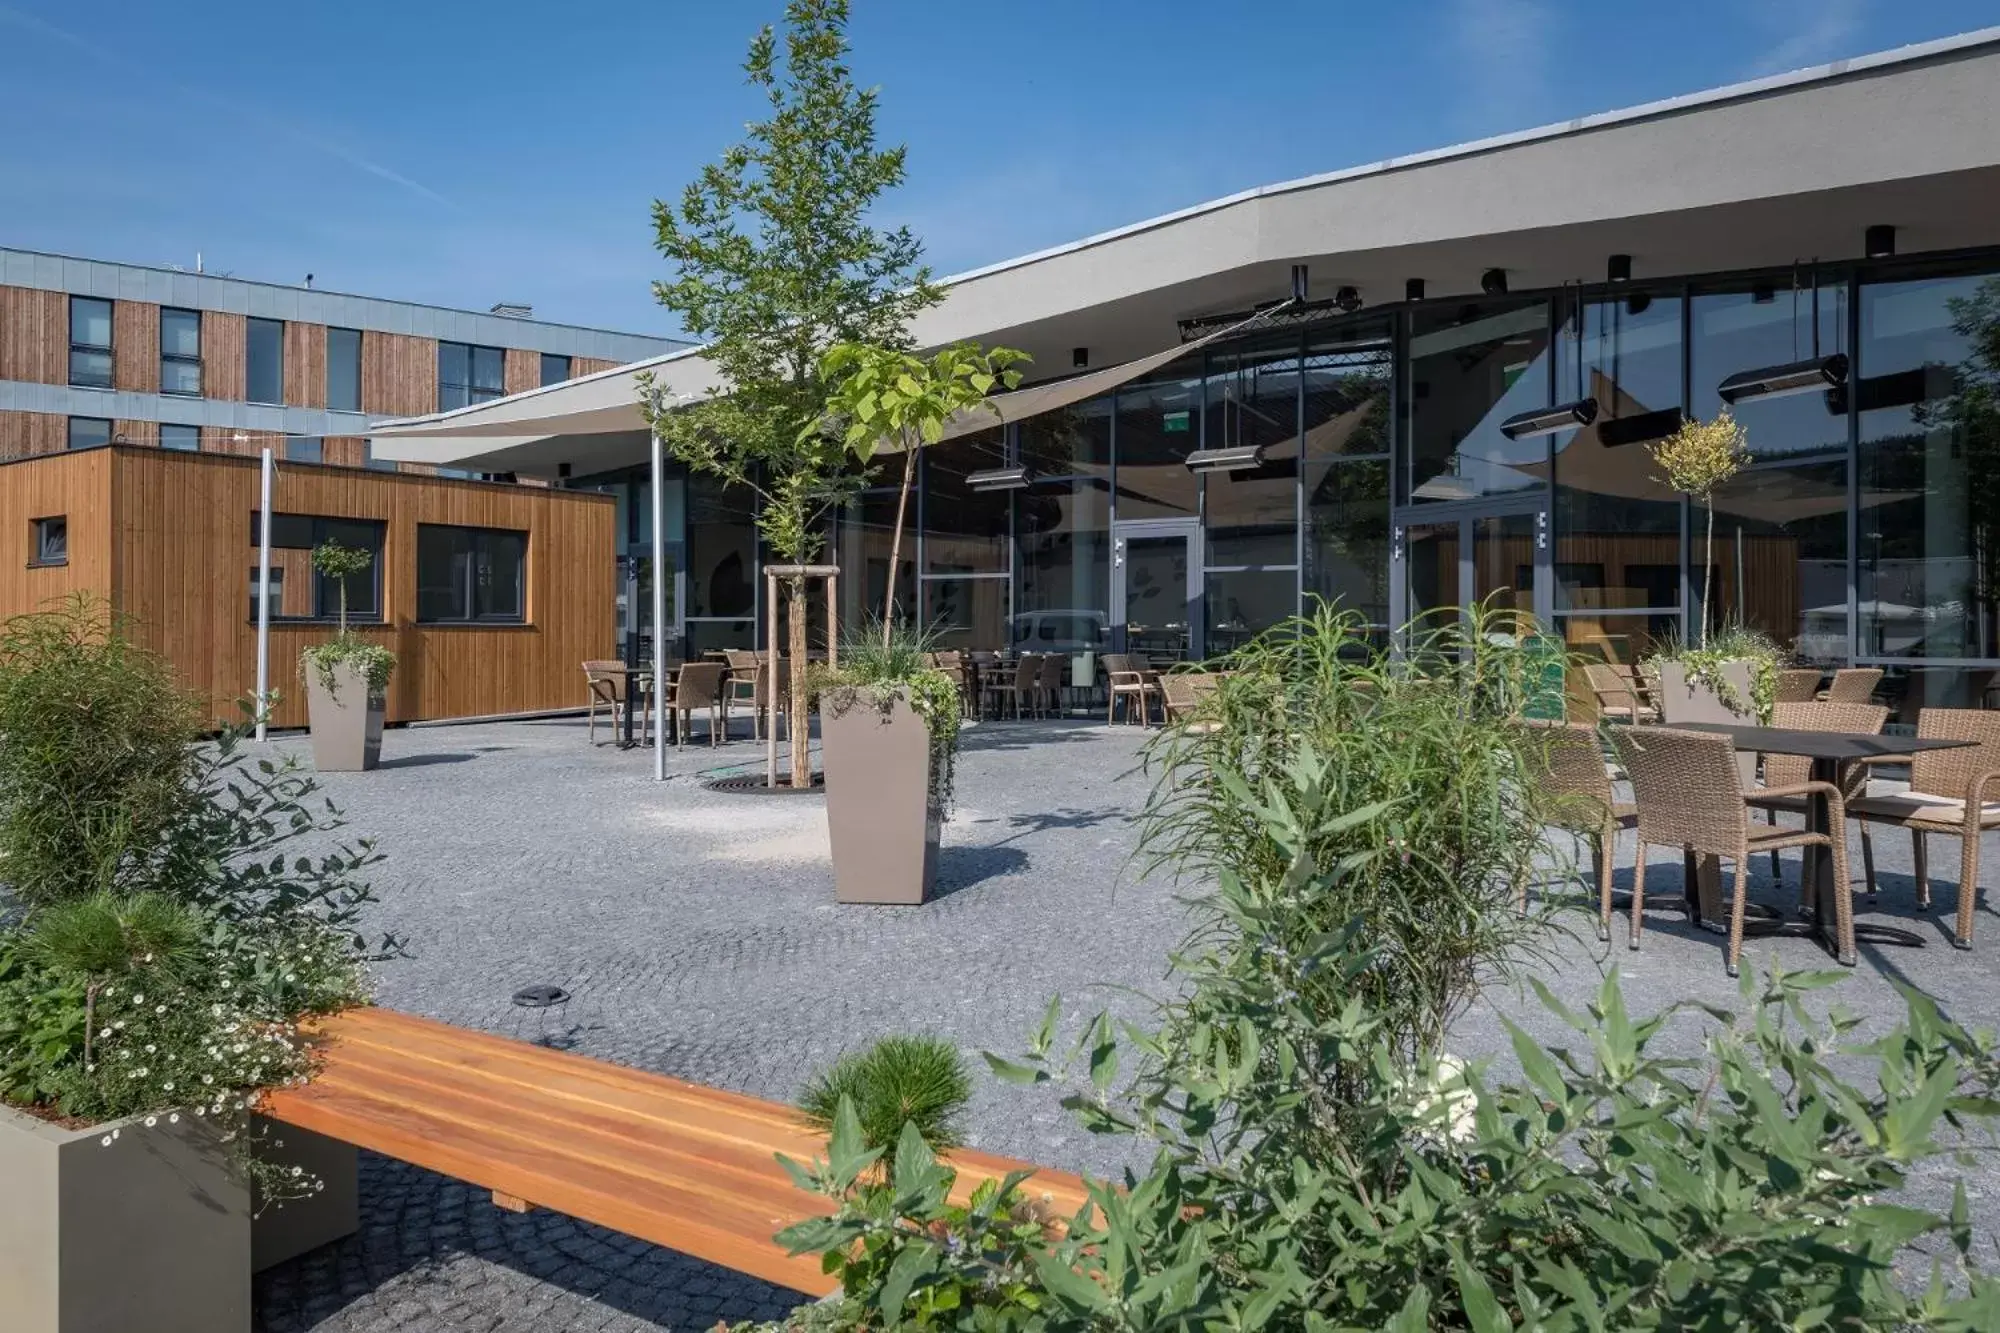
[
  {"x": 50, "y": 538},
  {"x": 88, "y": 432},
  {"x": 180, "y": 352},
  {"x": 471, "y": 574},
  {"x": 555, "y": 369},
  {"x": 469, "y": 374},
  {"x": 343, "y": 370},
  {"x": 89, "y": 342},
  {"x": 264, "y": 361},
  {"x": 307, "y": 594},
  {"x": 305, "y": 449},
  {"x": 185, "y": 439}
]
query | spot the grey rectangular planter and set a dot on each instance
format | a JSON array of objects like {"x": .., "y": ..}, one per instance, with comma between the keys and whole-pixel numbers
[
  {"x": 1683, "y": 699},
  {"x": 879, "y": 815},
  {"x": 153, "y": 1232},
  {"x": 346, "y": 721}
]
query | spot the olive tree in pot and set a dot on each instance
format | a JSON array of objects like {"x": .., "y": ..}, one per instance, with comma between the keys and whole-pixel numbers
[
  {"x": 164, "y": 940},
  {"x": 346, "y": 678}
]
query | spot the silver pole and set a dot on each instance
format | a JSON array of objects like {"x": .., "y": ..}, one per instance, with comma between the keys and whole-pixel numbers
[
  {"x": 264, "y": 598},
  {"x": 659, "y": 613}
]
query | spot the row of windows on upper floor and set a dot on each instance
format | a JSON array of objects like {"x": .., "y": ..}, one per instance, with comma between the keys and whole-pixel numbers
[{"x": 466, "y": 374}]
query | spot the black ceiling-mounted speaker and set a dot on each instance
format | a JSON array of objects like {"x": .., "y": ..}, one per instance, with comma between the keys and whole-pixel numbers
[
  {"x": 1493, "y": 282},
  {"x": 1413, "y": 289}
]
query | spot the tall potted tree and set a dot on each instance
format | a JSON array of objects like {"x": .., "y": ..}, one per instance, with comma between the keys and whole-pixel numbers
[
  {"x": 346, "y": 678},
  {"x": 888, "y": 720},
  {"x": 776, "y": 262}
]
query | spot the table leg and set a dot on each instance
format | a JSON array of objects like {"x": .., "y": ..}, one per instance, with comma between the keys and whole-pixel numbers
[
  {"x": 1817, "y": 870},
  {"x": 631, "y": 698}
]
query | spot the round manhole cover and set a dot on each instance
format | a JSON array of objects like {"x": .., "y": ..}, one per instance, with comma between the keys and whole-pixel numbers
[
  {"x": 752, "y": 784},
  {"x": 540, "y": 997}
]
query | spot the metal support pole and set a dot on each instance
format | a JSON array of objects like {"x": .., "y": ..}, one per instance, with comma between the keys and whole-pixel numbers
[
  {"x": 659, "y": 614},
  {"x": 264, "y": 597}
]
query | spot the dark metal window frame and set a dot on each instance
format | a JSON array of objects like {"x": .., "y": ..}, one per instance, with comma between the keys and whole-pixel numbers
[
  {"x": 180, "y": 358},
  {"x": 468, "y": 593},
  {"x": 329, "y": 614},
  {"x": 332, "y": 406},
  {"x": 474, "y": 393},
  {"x": 250, "y": 361},
  {"x": 568, "y": 368},
  {"x": 110, "y": 312},
  {"x": 39, "y": 556}
]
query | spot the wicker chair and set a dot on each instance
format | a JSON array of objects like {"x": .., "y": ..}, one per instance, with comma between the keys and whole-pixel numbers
[
  {"x": 1023, "y": 684},
  {"x": 1788, "y": 770},
  {"x": 606, "y": 682},
  {"x": 1952, "y": 792},
  {"x": 745, "y": 685},
  {"x": 1621, "y": 693},
  {"x": 1049, "y": 686},
  {"x": 697, "y": 685},
  {"x": 1689, "y": 795},
  {"x": 1852, "y": 685},
  {"x": 1576, "y": 782},
  {"x": 1133, "y": 682},
  {"x": 1181, "y": 696},
  {"x": 1798, "y": 685}
]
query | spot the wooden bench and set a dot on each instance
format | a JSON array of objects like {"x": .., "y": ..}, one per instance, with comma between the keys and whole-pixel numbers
[{"x": 689, "y": 1167}]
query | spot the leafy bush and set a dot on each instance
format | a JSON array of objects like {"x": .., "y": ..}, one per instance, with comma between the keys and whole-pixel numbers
[
  {"x": 876, "y": 667},
  {"x": 374, "y": 662},
  {"x": 96, "y": 762},
  {"x": 898, "y": 1081},
  {"x": 1729, "y": 643}
]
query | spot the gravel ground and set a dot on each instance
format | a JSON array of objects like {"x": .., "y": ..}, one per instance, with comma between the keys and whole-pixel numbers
[{"x": 698, "y": 935}]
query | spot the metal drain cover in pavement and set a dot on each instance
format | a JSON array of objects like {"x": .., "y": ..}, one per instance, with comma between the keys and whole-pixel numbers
[
  {"x": 540, "y": 997},
  {"x": 752, "y": 784}
]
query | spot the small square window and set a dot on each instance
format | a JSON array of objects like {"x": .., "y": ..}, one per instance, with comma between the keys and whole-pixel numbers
[
  {"x": 89, "y": 432},
  {"x": 50, "y": 541},
  {"x": 186, "y": 439},
  {"x": 555, "y": 369}
]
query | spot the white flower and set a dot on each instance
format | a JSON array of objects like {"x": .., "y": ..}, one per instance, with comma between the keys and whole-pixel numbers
[
  {"x": 161, "y": 1010},
  {"x": 150, "y": 1048},
  {"x": 152, "y": 1120},
  {"x": 167, "y": 1087},
  {"x": 138, "y": 999},
  {"x": 174, "y": 1119},
  {"x": 106, "y": 1140}
]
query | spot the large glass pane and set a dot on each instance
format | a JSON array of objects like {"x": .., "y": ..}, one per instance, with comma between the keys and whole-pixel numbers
[
  {"x": 454, "y": 376},
  {"x": 1908, "y": 690},
  {"x": 264, "y": 373},
  {"x": 1159, "y": 425},
  {"x": 187, "y": 439},
  {"x": 965, "y": 531},
  {"x": 89, "y": 322},
  {"x": 707, "y": 636},
  {"x": 443, "y": 556},
  {"x": 1619, "y": 639},
  {"x": 88, "y": 432},
  {"x": 180, "y": 333},
  {"x": 862, "y": 538},
  {"x": 90, "y": 369},
  {"x": 1064, "y": 565},
  {"x": 1252, "y": 516},
  {"x": 489, "y": 373},
  {"x": 1780, "y": 557},
  {"x": 1243, "y": 603},
  {"x": 500, "y": 578},
  {"x": 1430, "y": 553},
  {"x": 1070, "y": 441},
  {"x": 1156, "y": 609},
  {"x": 363, "y": 589},
  {"x": 722, "y": 551},
  {"x": 966, "y": 613},
  {"x": 1760, "y": 326},
  {"x": 1472, "y": 367},
  {"x": 1346, "y": 398},
  {"x": 555, "y": 368},
  {"x": 1347, "y": 540},
  {"x": 1503, "y": 562},
  {"x": 343, "y": 370},
  {"x": 1929, "y": 558}
]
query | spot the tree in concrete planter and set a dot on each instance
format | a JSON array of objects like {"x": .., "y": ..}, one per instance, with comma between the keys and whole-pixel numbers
[
  {"x": 347, "y": 732},
  {"x": 372, "y": 660},
  {"x": 776, "y": 263},
  {"x": 886, "y": 396},
  {"x": 1699, "y": 459}
]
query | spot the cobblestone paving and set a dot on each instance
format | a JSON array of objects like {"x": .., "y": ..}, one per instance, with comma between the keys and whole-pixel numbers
[{"x": 698, "y": 935}]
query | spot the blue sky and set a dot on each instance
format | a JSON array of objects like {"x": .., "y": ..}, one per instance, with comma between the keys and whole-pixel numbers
[{"x": 464, "y": 153}]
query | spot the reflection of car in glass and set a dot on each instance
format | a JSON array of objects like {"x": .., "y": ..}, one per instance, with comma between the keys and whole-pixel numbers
[{"x": 1062, "y": 631}]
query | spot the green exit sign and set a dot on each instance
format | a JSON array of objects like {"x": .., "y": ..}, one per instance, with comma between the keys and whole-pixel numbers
[{"x": 1175, "y": 422}]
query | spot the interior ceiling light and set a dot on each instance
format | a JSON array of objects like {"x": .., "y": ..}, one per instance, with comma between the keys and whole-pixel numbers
[
  {"x": 1618, "y": 269},
  {"x": 1238, "y": 458},
  {"x": 1879, "y": 242},
  {"x": 1493, "y": 282},
  {"x": 1812, "y": 374},
  {"x": 1348, "y": 299},
  {"x": 997, "y": 479},
  {"x": 1413, "y": 289},
  {"x": 1562, "y": 416},
  {"x": 1447, "y": 486}
]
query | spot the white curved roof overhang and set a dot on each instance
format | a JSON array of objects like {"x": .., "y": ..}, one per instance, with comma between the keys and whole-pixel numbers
[{"x": 1760, "y": 174}]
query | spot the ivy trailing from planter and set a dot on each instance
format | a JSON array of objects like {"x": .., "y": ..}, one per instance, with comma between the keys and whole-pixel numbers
[
  {"x": 1705, "y": 666},
  {"x": 371, "y": 660},
  {"x": 877, "y": 669}
]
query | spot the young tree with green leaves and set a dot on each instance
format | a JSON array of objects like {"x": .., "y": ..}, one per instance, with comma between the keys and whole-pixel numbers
[
  {"x": 1699, "y": 459},
  {"x": 885, "y": 396},
  {"x": 776, "y": 262}
]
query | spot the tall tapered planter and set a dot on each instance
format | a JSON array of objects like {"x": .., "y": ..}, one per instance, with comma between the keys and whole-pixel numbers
[
  {"x": 1683, "y": 698},
  {"x": 154, "y": 1231},
  {"x": 346, "y": 720},
  {"x": 880, "y": 813}
]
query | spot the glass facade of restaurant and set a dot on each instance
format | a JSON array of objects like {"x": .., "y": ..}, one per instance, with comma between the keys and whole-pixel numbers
[{"x": 1865, "y": 530}]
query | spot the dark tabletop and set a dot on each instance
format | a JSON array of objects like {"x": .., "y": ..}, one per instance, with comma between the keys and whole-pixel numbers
[{"x": 1842, "y": 745}]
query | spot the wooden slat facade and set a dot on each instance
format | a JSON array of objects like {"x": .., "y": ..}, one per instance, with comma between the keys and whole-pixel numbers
[
  {"x": 589, "y": 365},
  {"x": 34, "y": 336},
  {"x": 523, "y": 370},
  {"x": 76, "y": 486},
  {"x": 305, "y": 364},
  {"x": 224, "y": 355},
  {"x": 26, "y": 433},
  {"x": 689, "y": 1167},
  {"x": 399, "y": 374},
  {"x": 135, "y": 347},
  {"x": 170, "y": 544}
]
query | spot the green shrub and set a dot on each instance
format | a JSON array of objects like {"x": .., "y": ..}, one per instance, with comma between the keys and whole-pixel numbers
[
  {"x": 1730, "y": 643},
  {"x": 898, "y": 1081},
  {"x": 97, "y": 754}
]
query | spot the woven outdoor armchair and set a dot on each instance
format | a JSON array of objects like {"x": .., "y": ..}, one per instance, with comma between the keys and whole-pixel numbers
[
  {"x": 1951, "y": 792},
  {"x": 1797, "y": 685},
  {"x": 1788, "y": 770},
  {"x": 1621, "y": 693},
  {"x": 1577, "y": 785},
  {"x": 1690, "y": 797},
  {"x": 1852, "y": 685}
]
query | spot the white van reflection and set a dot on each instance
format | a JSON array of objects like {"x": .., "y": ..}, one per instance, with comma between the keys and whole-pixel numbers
[{"x": 1074, "y": 631}]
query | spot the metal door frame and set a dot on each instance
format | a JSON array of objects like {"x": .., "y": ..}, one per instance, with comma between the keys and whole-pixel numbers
[
  {"x": 1465, "y": 515},
  {"x": 1189, "y": 530}
]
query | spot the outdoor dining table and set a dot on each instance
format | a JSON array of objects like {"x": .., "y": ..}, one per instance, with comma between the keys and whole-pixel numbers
[{"x": 1828, "y": 750}]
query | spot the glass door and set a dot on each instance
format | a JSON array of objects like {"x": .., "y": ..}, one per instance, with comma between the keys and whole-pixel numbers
[
  {"x": 1452, "y": 557},
  {"x": 1156, "y": 590}
]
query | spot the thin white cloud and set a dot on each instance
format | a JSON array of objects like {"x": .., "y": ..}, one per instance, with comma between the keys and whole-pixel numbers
[
  {"x": 1503, "y": 61},
  {"x": 241, "y": 110},
  {"x": 1806, "y": 32}
]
